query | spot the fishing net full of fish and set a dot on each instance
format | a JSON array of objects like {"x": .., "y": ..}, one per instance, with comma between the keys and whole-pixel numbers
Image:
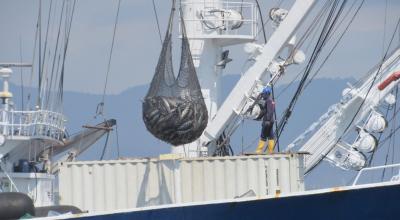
[{"x": 174, "y": 109}]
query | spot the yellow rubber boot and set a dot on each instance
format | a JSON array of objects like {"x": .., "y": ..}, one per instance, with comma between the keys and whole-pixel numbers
[
  {"x": 260, "y": 147},
  {"x": 271, "y": 146}
]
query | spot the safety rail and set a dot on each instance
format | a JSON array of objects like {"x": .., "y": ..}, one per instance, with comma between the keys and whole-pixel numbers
[
  {"x": 221, "y": 19},
  {"x": 394, "y": 178},
  {"x": 32, "y": 123}
]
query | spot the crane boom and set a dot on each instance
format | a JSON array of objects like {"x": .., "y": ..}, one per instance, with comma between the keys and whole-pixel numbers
[
  {"x": 237, "y": 99},
  {"x": 354, "y": 107}
]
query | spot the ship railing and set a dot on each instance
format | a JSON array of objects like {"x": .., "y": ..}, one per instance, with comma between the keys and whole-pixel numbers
[
  {"x": 40, "y": 123},
  {"x": 219, "y": 19},
  {"x": 370, "y": 169}
]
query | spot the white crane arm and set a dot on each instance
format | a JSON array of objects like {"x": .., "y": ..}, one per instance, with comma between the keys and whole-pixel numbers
[
  {"x": 238, "y": 97},
  {"x": 348, "y": 112}
]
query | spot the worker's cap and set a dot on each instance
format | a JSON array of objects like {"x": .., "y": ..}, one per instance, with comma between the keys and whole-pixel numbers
[{"x": 267, "y": 90}]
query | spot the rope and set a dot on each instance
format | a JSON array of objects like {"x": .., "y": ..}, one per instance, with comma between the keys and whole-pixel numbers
[
  {"x": 326, "y": 31},
  {"x": 366, "y": 95},
  {"x": 334, "y": 47},
  {"x": 46, "y": 38},
  {"x": 384, "y": 28},
  {"x": 268, "y": 17},
  {"x": 21, "y": 73},
  {"x": 40, "y": 50},
  {"x": 68, "y": 32},
  {"x": 262, "y": 21},
  {"x": 157, "y": 22},
  {"x": 100, "y": 106},
  {"x": 394, "y": 125},
  {"x": 372, "y": 83},
  {"x": 275, "y": 119},
  {"x": 392, "y": 138},
  {"x": 33, "y": 63},
  {"x": 117, "y": 137},
  {"x": 55, "y": 50},
  {"x": 265, "y": 41},
  {"x": 105, "y": 146}
]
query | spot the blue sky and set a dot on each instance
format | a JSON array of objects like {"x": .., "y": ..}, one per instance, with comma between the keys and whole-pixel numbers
[{"x": 137, "y": 43}]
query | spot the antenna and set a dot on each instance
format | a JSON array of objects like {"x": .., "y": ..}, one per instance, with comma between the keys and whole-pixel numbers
[{"x": 5, "y": 73}]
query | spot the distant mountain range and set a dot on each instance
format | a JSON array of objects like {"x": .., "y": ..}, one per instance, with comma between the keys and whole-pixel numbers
[{"x": 135, "y": 141}]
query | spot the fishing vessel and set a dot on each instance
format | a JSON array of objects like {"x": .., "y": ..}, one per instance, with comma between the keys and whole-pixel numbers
[{"x": 203, "y": 179}]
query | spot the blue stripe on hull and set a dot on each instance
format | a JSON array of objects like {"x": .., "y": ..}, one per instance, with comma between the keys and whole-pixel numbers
[{"x": 367, "y": 203}]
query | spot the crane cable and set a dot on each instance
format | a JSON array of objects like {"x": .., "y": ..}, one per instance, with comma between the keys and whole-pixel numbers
[
  {"x": 311, "y": 30},
  {"x": 56, "y": 51},
  {"x": 365, "y": 97},
  {"x": 21, "y": 73},
  {"x": 67, "y": 33},
  {"x": 308, "y": 32},
  {"x": 326, "y": 31},
  {"x": 392, "y": 137},
  {"x": 334, "y": 46},
  {"x": 388, "y": 137},
  {"x": 262, "y": 21},
  {"x": 157, "y": 22},
  {"x": 268, "y": 17},
  {"x": 272, "y": 86},
  {"x": 100, "y": 106}
]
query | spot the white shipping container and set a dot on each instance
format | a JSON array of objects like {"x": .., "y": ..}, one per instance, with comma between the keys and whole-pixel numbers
[{"x": 120, "y": 184}]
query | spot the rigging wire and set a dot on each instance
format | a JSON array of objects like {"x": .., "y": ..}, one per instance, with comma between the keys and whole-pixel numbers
[
  {"x": 265, "y": 41},
  {"x": 269, "y": 18},
  {"x": 100, "y": 106},
  {"x": 46, "y": 38},
  {"x": 53, "y": 71},
  {"x": 33, "y": 59},
  {"x": 262, "y": 21},
  {"x": 55, "y": 55},
  {"x": 384, "y": 28},
  {"x": 335, "y": 45},
  {"x": 302, "y": 41},
  {"x": 388, "y": 137},
  {"x": 394, "y": 125},
  {"x": 326, "y": 31},
  {"x": 67, "y": 32},
  {"x": 21, "y": 73},
  {"x": 315, "y": 25},
  {"x": 373, "y": 81},
  {"x": 366, "y": 95},
  {"x": 157, "y": 22},
  {"x": 105, "y": 146},
  {"x": 40, "y": 50},
  {"x": 117, "y": 139},
  {"x": 392, "y": 138}
]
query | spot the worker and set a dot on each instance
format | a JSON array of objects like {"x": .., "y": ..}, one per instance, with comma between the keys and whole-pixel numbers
[{"x": 267, "y": 131}]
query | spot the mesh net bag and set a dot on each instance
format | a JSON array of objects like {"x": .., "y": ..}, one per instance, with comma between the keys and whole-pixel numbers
[{"x": 174, "y": 109}]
